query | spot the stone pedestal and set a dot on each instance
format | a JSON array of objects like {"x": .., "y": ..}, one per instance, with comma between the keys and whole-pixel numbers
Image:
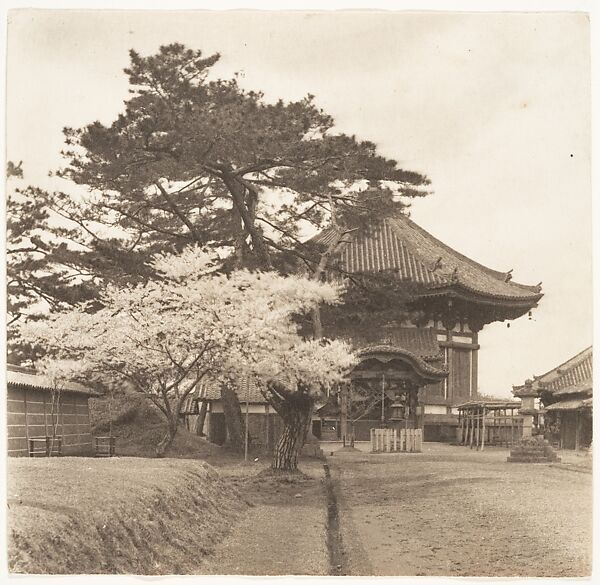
[{"x": 533, "y": 450}]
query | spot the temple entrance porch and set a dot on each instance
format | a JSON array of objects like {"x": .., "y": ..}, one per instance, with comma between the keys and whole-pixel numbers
[{"x": 383, "y": 392}]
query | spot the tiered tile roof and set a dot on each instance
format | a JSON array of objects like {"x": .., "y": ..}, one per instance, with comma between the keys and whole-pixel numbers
[{"x": 399, "y": 246}]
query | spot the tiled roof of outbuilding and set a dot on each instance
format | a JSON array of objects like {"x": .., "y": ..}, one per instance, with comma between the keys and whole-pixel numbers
[
  {"x": 574, "y": 374},
  {"x": 399, "y": 246},
  {"x": 20, "y": 377},
  {"x": 572, "y": 377},
  {"x": 246, "y": 390},
  {"x": 573, "y": 404}
]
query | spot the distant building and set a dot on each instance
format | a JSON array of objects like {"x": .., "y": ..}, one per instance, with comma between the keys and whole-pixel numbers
[
  {"x": 44, "y": 415},
  {"x": 565, "y": 394}
]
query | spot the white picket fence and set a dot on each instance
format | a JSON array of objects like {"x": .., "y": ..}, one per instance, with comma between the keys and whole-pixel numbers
[{"x": 390, "y": 440}]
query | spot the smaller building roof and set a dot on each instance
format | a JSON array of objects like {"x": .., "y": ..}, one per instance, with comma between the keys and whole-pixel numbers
[
  {"x": 247, "y": 390},
  {"x": 573, "y": 404},
  {"x": 489, "y": 404},
  {"x": 571, "y": 377},
  {"x": 21, "y": 377}
]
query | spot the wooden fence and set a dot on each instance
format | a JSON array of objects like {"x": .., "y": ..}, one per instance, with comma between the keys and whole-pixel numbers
[
  {"x": 392, "y": 440},
  {"x": 31, "y": 416}
]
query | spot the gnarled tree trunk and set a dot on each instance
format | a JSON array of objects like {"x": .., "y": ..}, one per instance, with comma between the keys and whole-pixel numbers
[
  {"x": 296, "y": 413},
  {"x": 167, "y": 440},
  {"x": 233, "y": 419}
]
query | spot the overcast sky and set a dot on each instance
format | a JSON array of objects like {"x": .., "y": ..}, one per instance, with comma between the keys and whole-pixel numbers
[{"x": 494, "y": 108}]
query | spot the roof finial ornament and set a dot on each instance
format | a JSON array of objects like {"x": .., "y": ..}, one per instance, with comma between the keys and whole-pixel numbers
[
  {"x": 437, "y": 264},
  {"x": 508, "y": 275},
  {"x": 538, "y": 286}
]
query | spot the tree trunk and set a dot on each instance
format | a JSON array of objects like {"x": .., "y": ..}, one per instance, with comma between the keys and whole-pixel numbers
[
  {"x": 316, "y": 323},
  {"x": 296, "y": 414},
  {"x": 238, "y": 195},
  {"x": 167, "y": 440},
  {"x": 233, "y": 419}
]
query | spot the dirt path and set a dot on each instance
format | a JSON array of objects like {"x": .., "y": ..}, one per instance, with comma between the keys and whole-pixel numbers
[
  {"x": 283, "y": 533},
  {"x": 452, "y": 511}
]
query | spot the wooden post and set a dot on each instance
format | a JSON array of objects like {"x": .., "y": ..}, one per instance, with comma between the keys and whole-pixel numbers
[
  {"x": 512, "y": 420},
  {"x": 382, "y": 400},
  {"x": 471, "y": 430},
  {"x": 344, "y": 412},
  {"x": 246, "y": 434},
  {"x": 577, "y": 430},
  {"x": 268, "y": 415},
  {"x": 395, "y": 440},
  {"x": 483, "y": 428}
]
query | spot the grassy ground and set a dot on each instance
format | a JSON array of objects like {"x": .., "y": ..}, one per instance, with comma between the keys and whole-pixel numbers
[
  {"x": 142, "y": 515},
  {"x": 284, "y": 533},
  {"x": 121, "y": 515},
  {"x": 456, "y": 512}
]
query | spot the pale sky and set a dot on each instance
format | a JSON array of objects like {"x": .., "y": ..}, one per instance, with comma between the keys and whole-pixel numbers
[{"x": 494, "y": 108}]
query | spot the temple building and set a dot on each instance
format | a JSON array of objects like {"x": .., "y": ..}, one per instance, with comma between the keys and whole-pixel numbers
[
  {"x": 412, "y": 373},
  {"x": 564, "y": 394},
  {"x": 456, "y": 297}
]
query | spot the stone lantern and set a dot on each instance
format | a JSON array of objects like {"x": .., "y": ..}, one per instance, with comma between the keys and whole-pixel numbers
[{"x": 527, "y": 393}]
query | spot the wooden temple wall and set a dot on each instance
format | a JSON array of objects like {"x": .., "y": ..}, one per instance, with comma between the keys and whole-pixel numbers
[
  {"x": 576, "y": 428},
  {"x": 30, "y": 416},
  {"x": 460, "y": 355}
]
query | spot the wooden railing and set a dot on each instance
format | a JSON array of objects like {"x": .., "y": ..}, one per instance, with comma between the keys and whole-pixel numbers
[{"x": 45, "y": 447}]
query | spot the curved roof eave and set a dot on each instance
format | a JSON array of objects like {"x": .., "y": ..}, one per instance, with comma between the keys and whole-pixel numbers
[
  {"x": 422, "y": 368},
  {"x": 463, "y": 291}
]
